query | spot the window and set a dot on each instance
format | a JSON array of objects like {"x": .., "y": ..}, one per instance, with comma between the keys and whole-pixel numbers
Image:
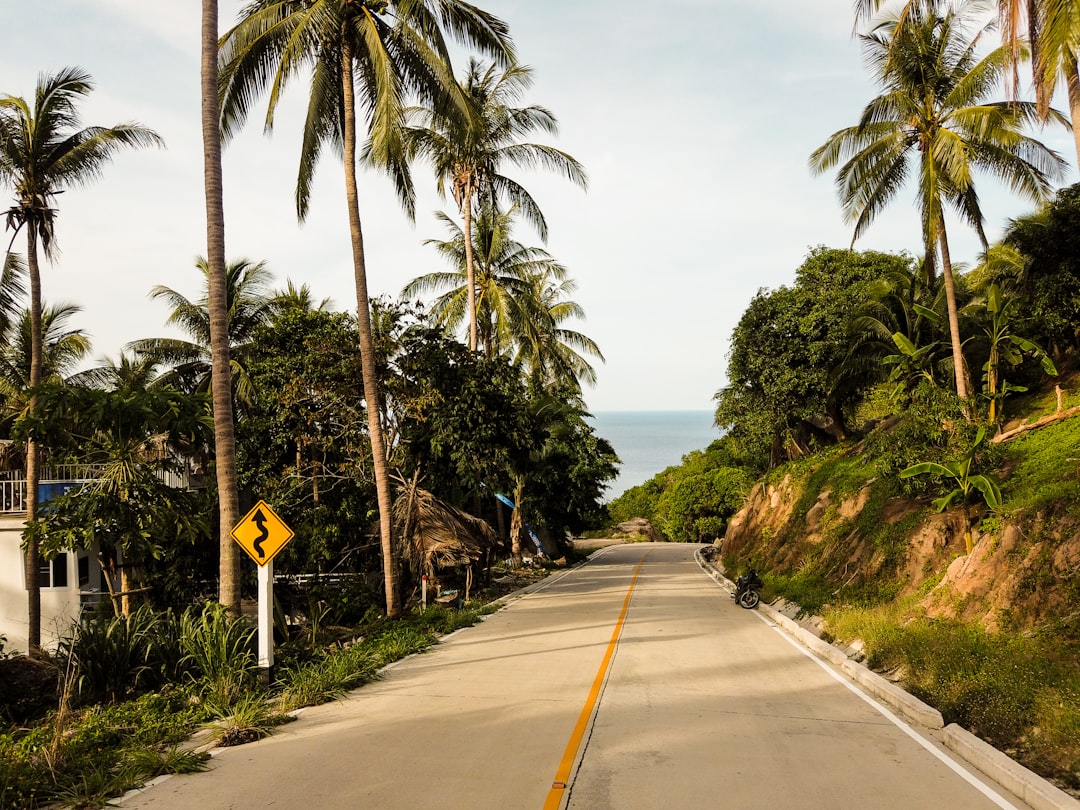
[{"x": 54, "y": 573}]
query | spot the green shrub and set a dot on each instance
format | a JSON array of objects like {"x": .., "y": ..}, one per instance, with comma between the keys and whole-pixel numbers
[{"x": 219, "y": 649}]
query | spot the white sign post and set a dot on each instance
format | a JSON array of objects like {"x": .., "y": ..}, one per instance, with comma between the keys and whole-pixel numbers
[
  {"x": 262, "y": 534},
  {"x": 266, "y": 618}
]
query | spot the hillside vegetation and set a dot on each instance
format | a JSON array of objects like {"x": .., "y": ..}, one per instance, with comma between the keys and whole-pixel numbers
[{"x": 941, "y": 533}]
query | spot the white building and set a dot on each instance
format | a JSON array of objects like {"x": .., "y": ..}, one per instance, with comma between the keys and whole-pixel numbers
[{"x": 68, "y": 582}]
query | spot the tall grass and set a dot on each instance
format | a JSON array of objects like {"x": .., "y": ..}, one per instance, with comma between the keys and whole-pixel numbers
[
  {"x": 219, "y": 651},
  {"x": 1020, "y": 694}
]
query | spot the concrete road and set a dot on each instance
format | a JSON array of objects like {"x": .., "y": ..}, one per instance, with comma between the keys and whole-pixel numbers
[{"x": 697, "y": 703}]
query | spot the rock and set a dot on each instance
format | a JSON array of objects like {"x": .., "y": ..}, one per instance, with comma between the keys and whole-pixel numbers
[{"x": 641, "y": 528}]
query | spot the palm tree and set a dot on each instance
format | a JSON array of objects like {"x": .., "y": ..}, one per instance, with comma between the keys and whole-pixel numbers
[
  {"x": 501, "y": 269},
  {"x": 520, "y": 299},
  {"x": 63, "y": 347},
  {"x": 131, "y": 371},
  {"x": 551, "y": 354},
  {"x": 43, "y": 151},
  {"x": 1050, "y": 30},
  {"x": 468, "y": 153},
  {"x": 932, "y": 121},
  {"x": 299, "y": 298},
  {"x": 217, "y": 306},
  {"x": 393, "y": 48},
  {"x": 249, "y": 304}
]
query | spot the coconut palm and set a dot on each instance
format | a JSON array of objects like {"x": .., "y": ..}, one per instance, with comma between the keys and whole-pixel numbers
[
  {"x": 131, "y": 371},
  {"x": 249, "y": 304},
  {"x": 520, "y": 299},
  {"x": 299, "y": 298},
  {"x": 501, "y": 268},
  {"x": 933, "y": 124},
  {"x": 468, "y": 153},
  {"x": 1045, "y": 31},
  {"x": 217, "y": 306},
  {"x": 392, "y": 48},
  {"x": 63, "y": 348},
  {"x": 549, "y": 353},
  {"x": 44, "y": 151}
]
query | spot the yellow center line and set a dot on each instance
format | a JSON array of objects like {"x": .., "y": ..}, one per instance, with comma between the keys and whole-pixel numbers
[{"x": 562, "y": 776}]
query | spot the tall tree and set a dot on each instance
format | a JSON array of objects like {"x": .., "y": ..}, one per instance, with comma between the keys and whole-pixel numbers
[
  {"x": 932, "y": 121},
  {"x": 44, "y": 151},
  {"x": 469, "y": 152},
  {"x": 521, "y": 299},
  {"x": 249, "y": 303},
  {"x": 1047, "y": 32},
  {"x": 392, "y": 48},
  {"x": 224, "y": 429}
]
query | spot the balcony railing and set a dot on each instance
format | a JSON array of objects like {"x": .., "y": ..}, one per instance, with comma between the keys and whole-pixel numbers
[{"x": 57, "y": 480}]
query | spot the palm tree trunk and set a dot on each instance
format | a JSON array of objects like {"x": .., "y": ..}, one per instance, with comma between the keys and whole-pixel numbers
[
  {"x": 33, "y": 459},
  {"x": 221, "y": 375},
  {"x": 367, "y": 340},
  {"x": 954, "y": 319},
  {"x": 1072, "y": 82},
  {"x": 470, "y": 267}
]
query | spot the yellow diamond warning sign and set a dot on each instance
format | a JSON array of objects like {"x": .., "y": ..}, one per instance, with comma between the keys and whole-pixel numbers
[{"x": 261, "y": 533}]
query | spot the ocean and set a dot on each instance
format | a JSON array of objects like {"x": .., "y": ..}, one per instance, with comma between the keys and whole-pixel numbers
[{"x": 648, "y": 442}]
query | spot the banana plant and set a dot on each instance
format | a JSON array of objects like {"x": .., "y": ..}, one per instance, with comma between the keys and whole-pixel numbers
[
  {"x": 966, "y": 483},
  {"x": 1005, "y": 349}
]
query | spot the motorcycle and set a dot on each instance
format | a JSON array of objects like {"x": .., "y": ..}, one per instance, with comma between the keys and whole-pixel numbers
[{"x": 748, "y": 590}]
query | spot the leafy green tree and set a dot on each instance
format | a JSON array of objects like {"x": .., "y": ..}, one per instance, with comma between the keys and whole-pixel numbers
[
  {"x": 781, "y": 390},
  {"x": 463, "y": 419},
  {"x": 698, "y": 506},
  {"x": 43, "y": 152},
  {"x": 303, "y": 443},
  {"x": 131, "y": 437},
  {"x": 392, "y": 48},
  {"x": 562, "y": 489},
  {"x": 469, "y": 152},
  {"x": 933, "y": 122},
  {"x": 1046, "y": 270}
]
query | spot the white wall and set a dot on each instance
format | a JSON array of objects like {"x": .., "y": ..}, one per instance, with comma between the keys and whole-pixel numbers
[{"x": 59, "y": 606}]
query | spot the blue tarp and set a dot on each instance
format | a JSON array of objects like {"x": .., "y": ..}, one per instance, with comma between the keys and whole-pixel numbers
[{"x": 528, "y": 528}]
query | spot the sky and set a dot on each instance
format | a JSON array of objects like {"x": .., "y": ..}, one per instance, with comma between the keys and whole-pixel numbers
[{"x": 694, "y": 126}]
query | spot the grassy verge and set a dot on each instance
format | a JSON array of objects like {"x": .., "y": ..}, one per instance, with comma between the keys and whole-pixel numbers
[
  {"x": 1021, "y": 694},
  {"x": 99, "y": 742}
]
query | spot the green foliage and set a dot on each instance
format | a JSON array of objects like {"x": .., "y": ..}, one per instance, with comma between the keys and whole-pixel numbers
[
  {"x": 931, "y": 428},
  {"x": 693, "y": 500},
  {"x": 1048, "y": 273},
  {"x": 219, "y": 649},
  {"x": 1044, "y": 469},
  {"x": 303, "y": 442},
  {"x": 786, "y": 346},
  {"x": 999, "y": 687},
  {"x": 248, "y": 718},
  {"x": 112, "y": 655},
  {"x": 961, "y": 473},
  {"x": 697, "y": 507},
  {"x": 98, "y": 753}
]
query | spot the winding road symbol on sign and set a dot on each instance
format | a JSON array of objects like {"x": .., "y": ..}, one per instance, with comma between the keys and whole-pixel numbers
[{"x": 261, "y": 533}]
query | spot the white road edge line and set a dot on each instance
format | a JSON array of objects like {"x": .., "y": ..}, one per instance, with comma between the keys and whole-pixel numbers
[{"x": 952, "y": 764}]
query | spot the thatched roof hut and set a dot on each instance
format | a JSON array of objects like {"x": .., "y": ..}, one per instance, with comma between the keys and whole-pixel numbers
[{"x": 434, "y": 534}]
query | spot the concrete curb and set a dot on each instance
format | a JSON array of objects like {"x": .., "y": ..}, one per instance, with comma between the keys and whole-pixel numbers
[
  {"x": 1011, "y": 775},
  {"x": 1008, "y": 773}
]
